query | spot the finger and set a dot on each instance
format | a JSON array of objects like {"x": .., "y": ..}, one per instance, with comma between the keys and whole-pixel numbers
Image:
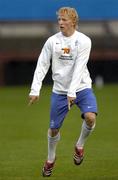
[
  {"x": 69, "y": 105},
  {"x": 30, "y": 102},
  {"x": 72, "y": 101}
]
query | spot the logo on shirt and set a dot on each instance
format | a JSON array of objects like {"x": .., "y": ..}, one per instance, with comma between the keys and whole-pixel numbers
[
  {"x": 66, "y": 50},
  {"x": 66, "y": 54}
]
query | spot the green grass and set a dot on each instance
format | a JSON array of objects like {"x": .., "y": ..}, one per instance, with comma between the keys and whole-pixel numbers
[{"x": 23, "y": 137}]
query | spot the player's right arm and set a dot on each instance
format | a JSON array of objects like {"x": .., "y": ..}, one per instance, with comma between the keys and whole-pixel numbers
[{"x": 42, "y": 67}]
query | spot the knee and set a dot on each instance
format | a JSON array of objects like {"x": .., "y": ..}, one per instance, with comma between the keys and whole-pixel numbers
[
  {"x": 53, "y": 132},
  {"x": 90, "y": 119}
]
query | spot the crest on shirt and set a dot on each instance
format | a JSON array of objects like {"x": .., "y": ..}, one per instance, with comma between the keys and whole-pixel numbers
[{"x": 76, "y": 43}]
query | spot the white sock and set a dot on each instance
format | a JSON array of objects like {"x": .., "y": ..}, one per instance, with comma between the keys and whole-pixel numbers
[
  {"x": 52, "y": 143},
  {"x": 85, "y": 132}
]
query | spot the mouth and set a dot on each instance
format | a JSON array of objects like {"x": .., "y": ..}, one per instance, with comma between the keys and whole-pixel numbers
[{"x": 61, "y": 27}]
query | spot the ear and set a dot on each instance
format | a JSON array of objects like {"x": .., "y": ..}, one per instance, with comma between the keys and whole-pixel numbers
[{"x": 73, "y": 24}]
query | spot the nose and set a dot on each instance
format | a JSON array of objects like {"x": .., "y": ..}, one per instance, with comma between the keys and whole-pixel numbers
[{"x": 60, "y": 22}]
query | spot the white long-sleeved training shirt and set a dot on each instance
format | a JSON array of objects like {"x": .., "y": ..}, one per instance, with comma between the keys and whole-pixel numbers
[{"x": 69, "y": 57}]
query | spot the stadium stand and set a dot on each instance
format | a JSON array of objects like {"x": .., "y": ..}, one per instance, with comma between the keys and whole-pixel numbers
[{"x": 25, "y": 25}]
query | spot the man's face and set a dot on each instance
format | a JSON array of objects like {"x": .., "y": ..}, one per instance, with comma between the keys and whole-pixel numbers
[{"x": 66, "y": 24}]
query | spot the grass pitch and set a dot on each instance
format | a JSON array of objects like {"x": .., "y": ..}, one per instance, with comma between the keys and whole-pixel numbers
[{"x": 23, "y": 138}]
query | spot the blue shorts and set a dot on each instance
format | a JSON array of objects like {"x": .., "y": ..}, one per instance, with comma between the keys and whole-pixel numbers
[{"x": 85, "y": 100}]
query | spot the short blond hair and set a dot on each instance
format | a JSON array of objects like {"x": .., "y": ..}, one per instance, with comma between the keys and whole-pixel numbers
[{"x": 71, "y": 12}]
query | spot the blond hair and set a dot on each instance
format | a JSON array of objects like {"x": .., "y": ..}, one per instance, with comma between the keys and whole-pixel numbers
[{"x": 71, "y": 12}]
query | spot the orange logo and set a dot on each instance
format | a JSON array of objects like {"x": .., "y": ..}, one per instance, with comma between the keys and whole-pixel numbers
[{"x": 66, "y": 50}]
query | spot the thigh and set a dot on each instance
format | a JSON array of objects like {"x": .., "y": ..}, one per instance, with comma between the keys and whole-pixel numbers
[
  {"x": 86, "y": 101},
  {"x": 59, "y": 109}
]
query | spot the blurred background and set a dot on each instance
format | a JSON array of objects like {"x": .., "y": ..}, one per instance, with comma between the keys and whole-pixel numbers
[{"x": 25, "y": 25}]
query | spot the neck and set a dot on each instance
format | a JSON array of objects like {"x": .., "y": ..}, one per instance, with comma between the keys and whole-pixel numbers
[{"x": 69, "y": 33}]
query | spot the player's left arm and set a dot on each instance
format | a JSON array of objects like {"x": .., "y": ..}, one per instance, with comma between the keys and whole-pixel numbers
[{"x": 79, "y": 67}]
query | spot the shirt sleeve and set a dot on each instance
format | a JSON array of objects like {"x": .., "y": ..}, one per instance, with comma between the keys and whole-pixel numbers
[
  {"x": 42, "y": 67},
  {"x": 79, "y": 67}
]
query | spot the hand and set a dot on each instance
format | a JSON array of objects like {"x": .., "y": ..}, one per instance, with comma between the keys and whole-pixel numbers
[
  {"x": 32, "y": 99},
  {"x": 70, "y": 101}
]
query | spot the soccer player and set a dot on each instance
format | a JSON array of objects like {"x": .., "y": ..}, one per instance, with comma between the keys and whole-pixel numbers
[{"x": 68, "y": 52}]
